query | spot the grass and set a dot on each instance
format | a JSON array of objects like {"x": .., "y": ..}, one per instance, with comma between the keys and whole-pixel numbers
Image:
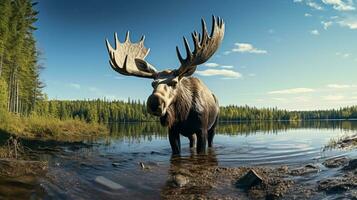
[{"x": 41, "y": 127}]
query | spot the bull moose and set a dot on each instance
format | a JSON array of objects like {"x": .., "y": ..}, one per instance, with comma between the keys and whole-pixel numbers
[{"x": 184, "y": 103}]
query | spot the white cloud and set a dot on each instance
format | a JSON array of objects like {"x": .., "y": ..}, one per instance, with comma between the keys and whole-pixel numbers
[
  {"x": 292, "y": 91},
  {"x": 218, "y": 65},
  {"x": 279, "y": 99},
  {"x": 315, "y": 32},
  {"x": 327, "y": 24},
  {"x": 340, "y": 5},
  {"x": 226, "y": 52},
  {"x": 227, "y": 66},
  {"x": 311, "y": 4},
  {"x": 333, "y": 97},
  {"x": 349, "y": 23},
  {"x": 220, "y": 72},
  {"x": 341, "y": 86},
  {"x": 247, "y": 48},
  {"x": 75, "y": 86},
  {"x": 314, "y": 5},
  {"x": 211, "y": 65},
  {"x": 307, "y": 15}
]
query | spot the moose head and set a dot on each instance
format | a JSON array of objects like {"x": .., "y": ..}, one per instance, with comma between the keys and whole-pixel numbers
[{"x": 128, "y": 59}]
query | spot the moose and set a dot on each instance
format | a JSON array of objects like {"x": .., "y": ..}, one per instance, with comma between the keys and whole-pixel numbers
[{"x": 184, "y": 103}]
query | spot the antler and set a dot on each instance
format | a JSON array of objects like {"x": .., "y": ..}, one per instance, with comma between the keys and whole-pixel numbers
[
  {"x": 128, "y": 58},
  {"x": 205, "y": 46}
]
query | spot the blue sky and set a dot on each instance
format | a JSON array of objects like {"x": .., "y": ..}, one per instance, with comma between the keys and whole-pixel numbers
[{"x": 290, "y": 54}]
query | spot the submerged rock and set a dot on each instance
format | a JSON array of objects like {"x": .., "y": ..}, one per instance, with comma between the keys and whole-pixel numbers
[
  {"x": 352, "y": 164},
  {"x": 333, "y": 186},
  {"x": 250, "y": 179},
  {"x": 335, "y": 162},
  {"x": 307, "y": 169},
  {"x": 179, "y": 180},
  {"x": 108, "y": 183}
]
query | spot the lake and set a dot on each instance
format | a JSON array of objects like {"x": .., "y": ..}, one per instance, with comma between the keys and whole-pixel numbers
[{"x": 74, "y": 167}]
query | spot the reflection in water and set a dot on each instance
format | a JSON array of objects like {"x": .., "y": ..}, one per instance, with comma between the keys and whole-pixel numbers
[
  {"x": 136, "y": 132},
  {"x": 117, "y": 156},
  {"x": 194, "y": 168}
]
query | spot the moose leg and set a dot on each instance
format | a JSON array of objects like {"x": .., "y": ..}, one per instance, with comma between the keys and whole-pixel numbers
[
  {"x": 202, "y": 141},
  {"x": 211, "y": 133},
  {"x": 174, "y": 138},
  {"x": 193, "y": 140}
]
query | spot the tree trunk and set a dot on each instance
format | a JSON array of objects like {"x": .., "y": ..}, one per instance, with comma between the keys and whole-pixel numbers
[{"x": 1, "y": 62}]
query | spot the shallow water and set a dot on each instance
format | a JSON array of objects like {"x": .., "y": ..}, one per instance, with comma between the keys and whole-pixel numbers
[{"x": 74, "y": 167}]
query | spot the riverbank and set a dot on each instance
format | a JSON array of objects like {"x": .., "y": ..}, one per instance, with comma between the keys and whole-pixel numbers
[{"x": 49, "y": 128}]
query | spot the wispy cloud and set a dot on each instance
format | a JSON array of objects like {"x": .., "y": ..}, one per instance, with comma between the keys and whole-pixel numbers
[
  {"x": 74, "y": 85},
  {"x": 315, "y": 32},
  {"x": 292, "y": 91},
  {"x": 227, "y": 66},
  {"x": 314, "y": 5},
  {"x": 343, "y": 55},
  {"x": 340, "y": 5},
  {"x": 247, "y": 48},
  {"x": 333, "y": 97},
  {"x": 211, "y": 64},
  {"x": 216, "y": 65},
  {"x": 326, "y": 24},
  {"x": 341, "y": 86},
  {"x": 220, "y": 72},
  {"x": 279, "y": 99},
  {"x": 308, "y": 15},
  {"x": 350, "y": 23}
]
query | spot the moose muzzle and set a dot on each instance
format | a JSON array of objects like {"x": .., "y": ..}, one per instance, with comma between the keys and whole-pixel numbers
[{"x": 156, "y": 105}]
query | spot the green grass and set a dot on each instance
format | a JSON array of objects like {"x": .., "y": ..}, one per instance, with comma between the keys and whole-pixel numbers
[{"x": 41, "y": 127}]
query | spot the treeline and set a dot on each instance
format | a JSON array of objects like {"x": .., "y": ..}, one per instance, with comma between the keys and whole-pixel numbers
[
  {"x": 105, "y": 111},
  {"x": 20, "y": 86},
  {"x": 246, "y": 113},
  {"x": 101, "y": 111}
]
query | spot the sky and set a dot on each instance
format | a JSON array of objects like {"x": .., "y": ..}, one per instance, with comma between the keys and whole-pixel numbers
[{"x": 290, "y": 54}]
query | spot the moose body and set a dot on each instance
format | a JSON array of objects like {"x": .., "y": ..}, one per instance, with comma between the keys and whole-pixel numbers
[
  {"x": 183, "y": 103},
  {"x": 193, "y": 113}
]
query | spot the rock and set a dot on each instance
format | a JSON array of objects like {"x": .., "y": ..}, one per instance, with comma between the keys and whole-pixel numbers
[
  {"x": 335, "y": 162},
  {"x": 108, "y": 183},
  {"x": 333, "y": 186},
  {"x": 249, "y": 180},
  {"x": 179, "y": 180},
  {"x": 307, "y": 169},
  {"x": 352, "y": 164}
]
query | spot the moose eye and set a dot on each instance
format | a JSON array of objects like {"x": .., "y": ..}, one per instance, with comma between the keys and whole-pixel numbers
[{"x": 172, "y": 83}]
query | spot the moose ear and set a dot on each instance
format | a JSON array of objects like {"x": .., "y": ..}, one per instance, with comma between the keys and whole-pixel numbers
[{"x": 144, "y": 66}]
